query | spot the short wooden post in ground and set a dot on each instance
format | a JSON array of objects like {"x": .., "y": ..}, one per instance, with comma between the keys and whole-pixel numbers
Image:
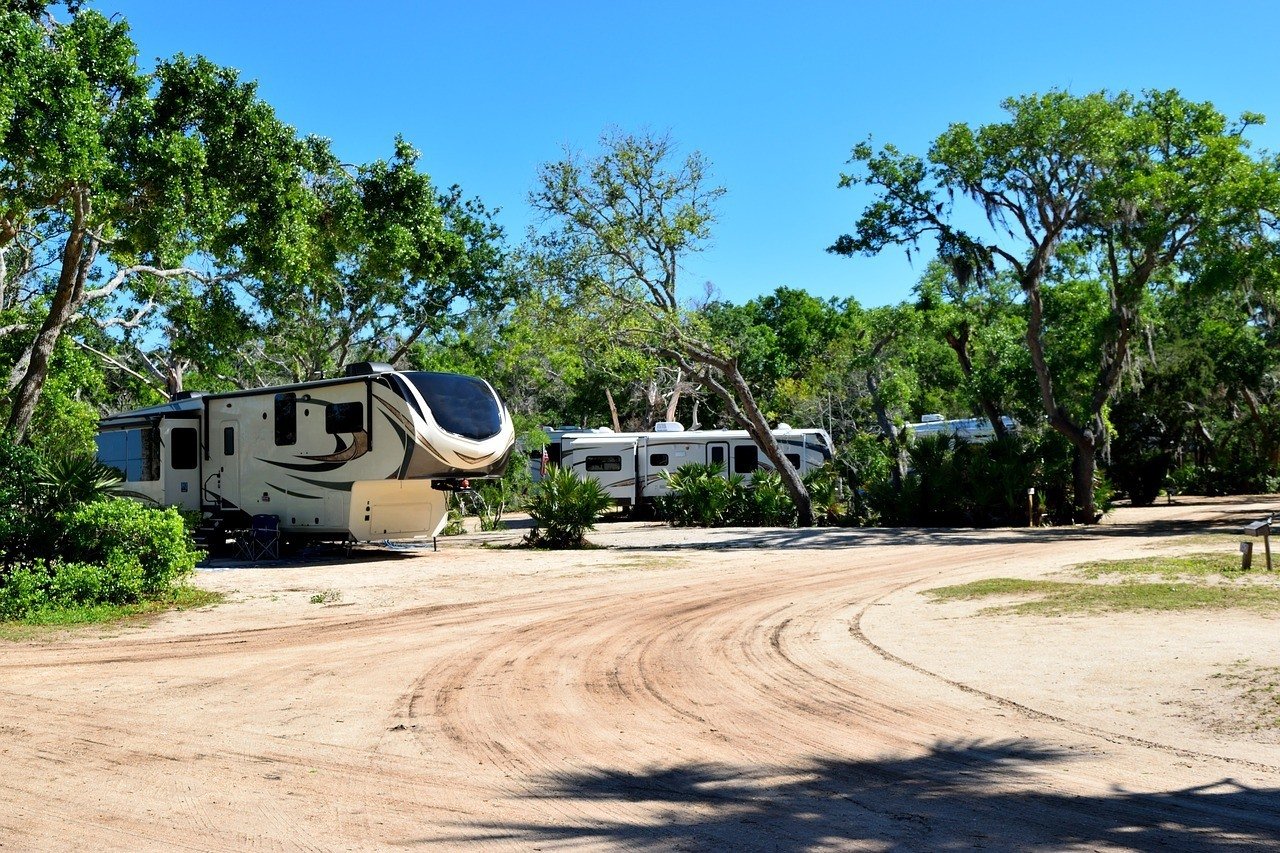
[{"x": 1257, "y": 528}]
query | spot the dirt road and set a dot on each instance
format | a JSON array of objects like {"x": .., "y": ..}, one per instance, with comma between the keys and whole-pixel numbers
[{"x": 690, "y": 690}]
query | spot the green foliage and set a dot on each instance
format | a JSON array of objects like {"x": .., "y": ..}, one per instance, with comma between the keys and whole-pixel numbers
[
  {"x": 24, "y": 505},
  {"x": 564, "y": 508},
  {"x": 768, "y": 503},
  {"x": 827, "y": 491},
  {"x": 71, "y": 479},
  {"x": 951, "y": 483},
  {"x": 1095, "y": 202},
  {"x": 117, "y": 530},
  {"x": 702, "y": 496},
  {"x": 455, "y": 517}
]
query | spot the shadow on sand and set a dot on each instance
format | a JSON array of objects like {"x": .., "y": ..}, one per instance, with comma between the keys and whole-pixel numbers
[
  {"x": 1229, "y": 520},
  {"x": 959, "y": 796}
]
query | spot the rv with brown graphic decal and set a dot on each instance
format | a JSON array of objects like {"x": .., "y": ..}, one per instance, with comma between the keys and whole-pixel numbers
[{"x": 368, "y": 456}]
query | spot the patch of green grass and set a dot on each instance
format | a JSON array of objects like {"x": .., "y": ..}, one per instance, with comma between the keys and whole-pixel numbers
[
  {"x": 1053, "y": 598},
  {"x": 993, "y": 587},
  {"x": 49, "y": 621},
  {"x": 1182, "y": 566},
  {"x": 328, "y": 596}
]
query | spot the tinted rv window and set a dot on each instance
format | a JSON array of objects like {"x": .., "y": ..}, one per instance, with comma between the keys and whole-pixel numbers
[
  {"x": 286, "y": 420},
  {"x": 794, "y": 459},
  {"x": 185, "y": 449},
  {"x": 746, "y": 458},
  {"x": 717, "y": 455},
  {"x": 462, "y": 405},
  {"x": 343, "y": 417},
  {"x": 135, "y": 452},
  {"x": 604, "y": 463},
  {"x": 228, "y": 441},
  {"x": 658, "y": 460}
]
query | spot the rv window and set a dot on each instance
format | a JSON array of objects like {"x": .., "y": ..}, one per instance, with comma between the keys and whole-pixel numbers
[
  {"x": 659, "y": 460},
  {"x": 604, "y": 463},
  {"x": 135, "y": 452},
  {"x": 184, "y": 448},
  {"x": 286, "y": 420},
  {"x": 746, "y": 458},
  {"x": 794, "y": 459},
  {"x": 228, "y": 441},
  {"x": 462, "y": 405},
  {"x": 343, "y": 417},
  {"x": 717, "y": 455}
]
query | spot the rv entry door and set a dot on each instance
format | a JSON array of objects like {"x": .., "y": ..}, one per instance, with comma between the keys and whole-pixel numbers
[
  {"x": 223, "y": 484},
  {"x": 718, "y": 454}
]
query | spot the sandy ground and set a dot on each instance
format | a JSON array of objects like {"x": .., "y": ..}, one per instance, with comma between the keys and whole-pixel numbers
[{"x": 674, "y": 690}]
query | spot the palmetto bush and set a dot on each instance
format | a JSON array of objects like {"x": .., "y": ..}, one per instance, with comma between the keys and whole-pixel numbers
[
  {"x": 701, "y": 496},
  {"x": 71, "y": 479},
  {"x": 768, "y": 503},
  {"x": 564, "y": 508}
]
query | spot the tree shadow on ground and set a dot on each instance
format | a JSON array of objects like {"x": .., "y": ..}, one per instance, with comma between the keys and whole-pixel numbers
[
  {"x": 957, "y": 796},
  {"x": 831, "y": 538}
]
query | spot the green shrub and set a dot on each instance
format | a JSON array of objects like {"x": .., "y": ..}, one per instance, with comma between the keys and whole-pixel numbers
[
  {"x": 71, "y": 479},
  {"x": 111, "y": 532},
  {"x": 701, "y": 496},
  {"x": 768, "y": 502},
  {"x": 564, "y": 508},
  {"x": 25, "y": 524},
  {"x": 24, "y": 589},
  {"x": 826, "y": 495}
]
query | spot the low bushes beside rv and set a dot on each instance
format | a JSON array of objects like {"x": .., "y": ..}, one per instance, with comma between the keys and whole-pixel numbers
[{"x": 67, "y": 545}]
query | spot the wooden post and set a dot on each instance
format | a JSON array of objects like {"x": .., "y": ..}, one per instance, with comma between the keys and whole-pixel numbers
[
  {"x": 1266, "y": 539},
  {"x": 1031, "y": 507}
]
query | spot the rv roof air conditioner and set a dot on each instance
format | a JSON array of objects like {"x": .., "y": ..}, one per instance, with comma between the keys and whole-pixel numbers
[
  {"x": 367, "y": 368},
  {"x": 932, "y": 419},
  {"x": 668, "y": 426},
  {"x": 186, "y": 395}
]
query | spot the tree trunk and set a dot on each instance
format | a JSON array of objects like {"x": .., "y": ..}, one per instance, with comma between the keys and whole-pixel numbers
[
  {"x": 1083, "y": 468},
  {"x": 77, "y": 258},
  {"x": 613, "y": 411},
  {"x": 960, "y": 345},
  {"x": 899, "y": 471},
  {"x": 760, "y": 431},
  {"x": 741, "y": 403}
]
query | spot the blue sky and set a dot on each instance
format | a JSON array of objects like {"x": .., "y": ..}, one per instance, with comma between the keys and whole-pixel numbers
[{"x": 774, "y": 95}]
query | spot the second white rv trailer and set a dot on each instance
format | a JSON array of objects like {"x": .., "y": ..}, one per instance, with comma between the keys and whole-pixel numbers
[
  {"x": 972, "y": 430},
  {"x": 630, "y": 465},
  {"x": 367, "y": 456}
]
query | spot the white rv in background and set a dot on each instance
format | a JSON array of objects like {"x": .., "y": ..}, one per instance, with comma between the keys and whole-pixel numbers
[
  {"x": 972, "y": 430},
  {"x": 367, "y": 456},
  {"x": 629, "y": 465}
]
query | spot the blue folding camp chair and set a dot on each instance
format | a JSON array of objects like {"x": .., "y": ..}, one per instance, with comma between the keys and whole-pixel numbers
[{"x": 262, "y": 540}]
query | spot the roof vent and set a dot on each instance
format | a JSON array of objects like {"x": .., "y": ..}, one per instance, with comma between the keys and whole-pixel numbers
[
  {"x": 668, "y": 426},
  {"x": 367, "y": 368}
]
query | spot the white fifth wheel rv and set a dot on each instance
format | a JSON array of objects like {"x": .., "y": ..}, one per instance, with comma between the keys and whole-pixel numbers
[
  {"x": 629, "y": 465},
  {"x": 367, "y": 456}
]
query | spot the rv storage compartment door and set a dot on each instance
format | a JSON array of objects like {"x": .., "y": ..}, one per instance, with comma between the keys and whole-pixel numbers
[{"x": 396, "y": 509}]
